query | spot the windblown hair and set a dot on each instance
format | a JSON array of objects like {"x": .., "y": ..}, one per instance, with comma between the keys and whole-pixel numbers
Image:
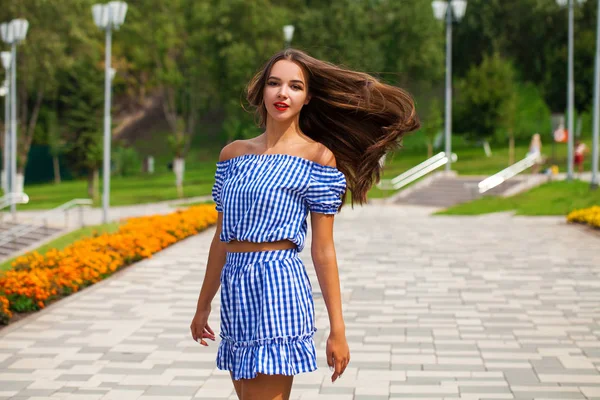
[{"x": 354, "y": 115}]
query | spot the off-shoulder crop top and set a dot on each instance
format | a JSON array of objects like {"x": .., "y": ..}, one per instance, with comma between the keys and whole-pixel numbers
[{"x": 267, "y": 197}]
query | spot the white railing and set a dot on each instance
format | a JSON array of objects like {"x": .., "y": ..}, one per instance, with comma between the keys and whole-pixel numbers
[
  {"x": 416, "y": 172},
  {"x": 507, "y": 173},
  {"x": 22, "y": 230},
  {"x": 13, "y": 198}
]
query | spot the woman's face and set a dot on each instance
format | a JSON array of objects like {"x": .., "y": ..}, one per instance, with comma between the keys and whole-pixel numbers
[{"x": 285, "y": 91}]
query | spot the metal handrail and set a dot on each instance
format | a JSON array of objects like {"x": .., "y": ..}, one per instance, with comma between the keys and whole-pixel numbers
[
  {"x": 22, "y": 230},
  {"x": 416, "y": 172},
  {"x": 507, "y": 173},
  {"x": 13, "y": 198}
]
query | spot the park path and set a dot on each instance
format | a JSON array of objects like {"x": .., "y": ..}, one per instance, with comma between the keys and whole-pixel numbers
[
  {"x": 94, "y": 215},
  {"x": 489, "y": 307}
]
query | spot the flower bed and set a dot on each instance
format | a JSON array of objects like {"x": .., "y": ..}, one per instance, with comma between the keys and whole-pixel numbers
[
  {"x": 589, "y": 216},
  {"x": 35, "y": 280}
]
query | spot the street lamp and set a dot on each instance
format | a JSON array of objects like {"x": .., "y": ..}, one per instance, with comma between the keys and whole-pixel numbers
[
  {"x": 14, "y": 32},
  {"x": 108, "y": 17},
  {"x": 596, "y": 134},
  {"x": 6, "y": 59},
  {"x": 288, "y": 34},
  {"x": 449, "y": 10},
  {"x": 570, "y": 87}
]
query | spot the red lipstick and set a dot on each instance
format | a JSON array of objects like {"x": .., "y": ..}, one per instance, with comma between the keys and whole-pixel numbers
[{"x": 279, "y": 106}]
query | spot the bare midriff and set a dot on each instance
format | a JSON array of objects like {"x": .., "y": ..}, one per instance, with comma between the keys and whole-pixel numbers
[{"x": 245, "y": 247}]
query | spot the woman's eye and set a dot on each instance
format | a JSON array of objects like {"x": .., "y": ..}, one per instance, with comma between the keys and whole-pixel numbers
[{"x": 272, "y": 83}]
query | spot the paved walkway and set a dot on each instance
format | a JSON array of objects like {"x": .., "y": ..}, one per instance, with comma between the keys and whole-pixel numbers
[
  {"x": 94, "y": 215},
  {"x": 493, "y": 307}
]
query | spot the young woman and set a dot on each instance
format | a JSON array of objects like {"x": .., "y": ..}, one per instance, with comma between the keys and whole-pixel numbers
[
  {"x": 535, "y": 150},
  {"x": 325, "y": 130},
  {"x": 580, "y": 151}
]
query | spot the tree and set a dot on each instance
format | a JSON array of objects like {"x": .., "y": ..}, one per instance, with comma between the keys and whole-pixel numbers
[
  {"x": 514, "y": 28},
  {"x": 49, "y": 48},
  {"x": 432, "y": 124},
  {"x": 399, "y": 42},
  {"x": 51, "y": 136},
  {"x": 81, "y": 106},
  {"x": 485, "y": 94}
]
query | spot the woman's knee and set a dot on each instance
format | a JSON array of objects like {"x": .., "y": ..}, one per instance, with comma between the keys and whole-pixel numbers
[{"x": 267, "y": 387}]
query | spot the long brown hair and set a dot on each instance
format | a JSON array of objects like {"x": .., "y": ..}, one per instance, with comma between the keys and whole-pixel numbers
[{"x": 353, "y": 114}]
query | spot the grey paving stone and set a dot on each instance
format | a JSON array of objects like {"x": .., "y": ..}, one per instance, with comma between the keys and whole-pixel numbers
[
  {"x": 74, "y": 377},
  {"x": 521, "y": 377},
  {"x": 35, "y": 392},
  {"x": 9, "y": 386},
  {"x": 172, "y": 390},
  {"x": 131, "y": 357},
  {"x": 336, "y": 390},
  {"x": 484, "y": 389},
  {"x": 549, "y": 395}
]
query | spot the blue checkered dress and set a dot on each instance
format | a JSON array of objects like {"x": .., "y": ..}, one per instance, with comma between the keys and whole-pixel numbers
[{"x": 267, "y": 311}]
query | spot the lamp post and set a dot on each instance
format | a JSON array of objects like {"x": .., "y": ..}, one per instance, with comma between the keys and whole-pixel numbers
[
  {"x": 570, "y": 86},
  {"x": 449, "y": 10},
  {"x": 596, "y": 134},
  {"x": 108, "y": 17},
  {"x": 288, "y": 34},
  {"x": 13, "y": 33},
  {"x": 6, "y": 59}
]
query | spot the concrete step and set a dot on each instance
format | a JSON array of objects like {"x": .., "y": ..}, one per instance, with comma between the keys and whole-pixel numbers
[
  {"x": 32, "y": 239},
  {"x": 448, "y": 191}
]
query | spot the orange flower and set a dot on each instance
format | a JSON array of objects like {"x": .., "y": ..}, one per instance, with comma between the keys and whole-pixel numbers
[{"x": 39, "y": 279}]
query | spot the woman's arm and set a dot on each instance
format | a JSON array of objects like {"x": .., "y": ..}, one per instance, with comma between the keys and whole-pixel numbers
[
  {"x": 212, "y": 280},
  {"x": 324, "y": 259},
  {"x": 214, "y": 266}
]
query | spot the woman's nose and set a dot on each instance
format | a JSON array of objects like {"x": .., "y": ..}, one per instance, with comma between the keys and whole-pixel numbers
[{"x": 282, "y": 92}]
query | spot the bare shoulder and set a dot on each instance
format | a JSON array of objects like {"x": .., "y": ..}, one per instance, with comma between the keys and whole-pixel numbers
[
  {"x": 324, "y": 156},
  {"x": 235, "y": 149}
]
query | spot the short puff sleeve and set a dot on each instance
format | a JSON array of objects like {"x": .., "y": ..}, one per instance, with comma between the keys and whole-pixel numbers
[
  {"x": 220, "y": 176},
  {"x": 326, "y": 187}
]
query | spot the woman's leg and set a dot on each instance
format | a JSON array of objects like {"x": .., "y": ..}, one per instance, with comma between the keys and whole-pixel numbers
[
  {"x": 267, "y": 387},
  {"x": 238, "y": 386}
]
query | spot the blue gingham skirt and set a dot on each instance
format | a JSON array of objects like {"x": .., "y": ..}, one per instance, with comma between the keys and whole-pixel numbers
[{"x": 267, "y": 315}]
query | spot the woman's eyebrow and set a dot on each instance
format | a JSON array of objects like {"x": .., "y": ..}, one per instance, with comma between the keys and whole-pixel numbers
[{"x": 293, "y": 80}]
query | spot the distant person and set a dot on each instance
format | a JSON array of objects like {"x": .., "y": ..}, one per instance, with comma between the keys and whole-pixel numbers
[
  {"x": 580, "y": 150},
  {"x": 535, "y": 150},
  {"x": 324, "y": 130}
]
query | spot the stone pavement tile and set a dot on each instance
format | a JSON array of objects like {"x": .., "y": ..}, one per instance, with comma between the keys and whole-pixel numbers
[
  {"x": 143, "y": 397},
  {"x": 521, "y": 377},
  {"x": 172, "y": 390},
  {"x": 445, "y": 390},
  {"x": 119, "y": 394},
  {"x": 336, "y": 390}
]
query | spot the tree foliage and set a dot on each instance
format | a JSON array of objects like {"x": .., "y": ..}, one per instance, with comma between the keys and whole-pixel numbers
[
  {"x": 196, "y": 57},
  {"x": 485, "y": 94}
]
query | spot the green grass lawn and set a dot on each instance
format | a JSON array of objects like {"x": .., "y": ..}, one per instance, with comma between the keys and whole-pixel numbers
[
  {"x": 69, "y": 238},
  {"x": 553, "y": 198},
  {"x": 142, "y": 188},
  {"x": 200, "y": 169}
]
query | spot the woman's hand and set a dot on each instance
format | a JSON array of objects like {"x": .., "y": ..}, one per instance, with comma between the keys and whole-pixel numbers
[
  {"x": 338, "y": 354},
  {"x": 200, "y": 328}
]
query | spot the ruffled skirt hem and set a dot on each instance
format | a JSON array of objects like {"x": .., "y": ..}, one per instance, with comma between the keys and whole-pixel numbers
[{"x": 271, "y": 356}]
